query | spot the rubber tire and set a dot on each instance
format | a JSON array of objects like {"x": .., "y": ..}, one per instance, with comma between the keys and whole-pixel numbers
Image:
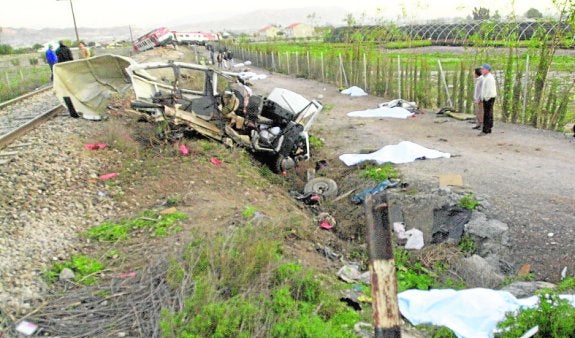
[
  {"x": 323, "y": 186},
  {"x": 276, "y": 164}
]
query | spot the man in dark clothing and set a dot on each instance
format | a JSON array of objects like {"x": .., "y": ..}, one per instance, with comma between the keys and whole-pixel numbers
[{"x": 64, "y": 53}]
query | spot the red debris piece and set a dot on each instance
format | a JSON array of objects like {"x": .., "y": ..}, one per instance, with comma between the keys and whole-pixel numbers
[
  {"x": 216, "y": 161},
  {"x": 108, "y": 176},
  {"x": 95, "y": 146},
  {"x": 184, "y": 150},
  {"x": 128, "y": 275},
  {"x": 325, "y": 225}
]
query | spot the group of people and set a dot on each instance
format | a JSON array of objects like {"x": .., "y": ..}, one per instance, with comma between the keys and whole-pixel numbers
[
  {"x": 484, "y": 98},
  {"x": 63, "y": 54},
  {"x": 224, "y": 58}
]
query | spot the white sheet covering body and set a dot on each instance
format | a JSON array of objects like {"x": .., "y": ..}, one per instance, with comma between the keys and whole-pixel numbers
[
  {"x": 354, "y": 91},
  {"x": 395, "y": 112},
  {"x": 404, "y": 152}
]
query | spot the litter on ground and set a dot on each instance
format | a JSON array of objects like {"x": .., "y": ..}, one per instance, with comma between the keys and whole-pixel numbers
[
  {"x": 184, "y": 150},
  {"x": 108, "y": 176},
  {"x": 404, "y": 152},
  {"x": 354, "y": 91},
  {"x": 395, "y": 112},
  {"x": 450, "y": 180},
  {"x": 380, "y": 187},
  {"x": 251, "y": 76},
  {"x": 95, "y": 146},
  {"x": 471, "y": 313},
  {"x": 399, "y": 103},
  {"x": 414, "y": 236},
  {"x": 350, "y": 273}
]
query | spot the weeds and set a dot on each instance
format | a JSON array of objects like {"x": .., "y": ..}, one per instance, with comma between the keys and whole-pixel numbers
[
  {"x": 84, "y": 268},
  {"x": 160, "y": 225},
  {"x": 553, "y": 315},
  {"x": 380, "y": 173},
  {"x": 249, "y": 212},
  {"x": 245, "y": 288},
  {"x": 468, "y": 202},
  {"x": 436, "y": 331},
  {"x": 467, "y": 245},
  {"x": 315, "y": 142},
  {"x": 412, "y": 275}
]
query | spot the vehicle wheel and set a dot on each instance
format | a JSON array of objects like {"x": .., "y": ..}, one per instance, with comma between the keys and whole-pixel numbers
[
  {"x": 281, "y": 163},
  {"x": 322, "y": 186}
]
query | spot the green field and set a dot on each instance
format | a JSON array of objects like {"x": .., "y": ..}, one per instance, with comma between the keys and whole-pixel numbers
[{"x": 17, "y": 81}]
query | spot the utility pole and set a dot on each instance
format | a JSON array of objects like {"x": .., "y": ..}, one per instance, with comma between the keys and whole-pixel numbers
[
  {"x": 74, "y": 18},
  {"x": 131, "y": 36}
]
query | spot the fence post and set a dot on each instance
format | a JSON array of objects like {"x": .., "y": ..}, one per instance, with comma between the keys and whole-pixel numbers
[
  {"x": 273, "y": 62},
  {"x": 342, "y": 70},
  {"x": 296, "y": 63},
  {"x": 526, "y": 84},
  {"x": 322, "y": 69},
  {"x": 365, "y": 72},
  {"x": 399, "y": 77},
  {"x": 287, "y": 62},
  {"x": 308, "y": 67},
  {"x": 444, "y": 83},
  {"x": 7, "y": 79},
  {"x": 386, "y": 320}
]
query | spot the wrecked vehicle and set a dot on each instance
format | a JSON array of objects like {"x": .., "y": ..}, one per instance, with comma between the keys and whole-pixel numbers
[{"x": 218, "y": 105}]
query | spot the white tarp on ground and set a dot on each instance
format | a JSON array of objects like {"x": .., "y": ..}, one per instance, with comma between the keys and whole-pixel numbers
[
  {"x": 251, "y": 76},
  {"x": 354, "y": 91},
  {"x": 472, "y": 313},
  {"x": 404, "y": 152},
  {"x": 395, "y": 112}
]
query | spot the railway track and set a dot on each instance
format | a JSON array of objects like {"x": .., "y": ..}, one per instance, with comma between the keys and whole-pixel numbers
[{"x": 24, "y": 113}]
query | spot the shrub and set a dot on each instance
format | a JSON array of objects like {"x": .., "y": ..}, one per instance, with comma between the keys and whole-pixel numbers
[
  {"x": 469, "y": 202},
  {"x": 84, "y": 269},
  {"x": 380, "y": 173}
]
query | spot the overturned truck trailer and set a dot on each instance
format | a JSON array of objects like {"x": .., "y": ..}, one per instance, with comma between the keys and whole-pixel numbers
[{"x": 195, "y": 98}]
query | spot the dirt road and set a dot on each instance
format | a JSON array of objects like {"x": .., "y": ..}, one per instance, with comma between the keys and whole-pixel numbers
[{"x": 526, "y": 175}]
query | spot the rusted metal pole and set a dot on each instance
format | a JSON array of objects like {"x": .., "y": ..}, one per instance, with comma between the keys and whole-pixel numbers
[{"x": 386, "y": 320}]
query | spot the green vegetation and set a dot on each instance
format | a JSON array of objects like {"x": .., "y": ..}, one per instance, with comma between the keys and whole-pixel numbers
[
  {"x": 469, "y": 202},
  {"x": 17, "y": 81},
  {"x": 436, "y": 332},
  {"x": 244, "y": 287},
  {"x": 315, "y": 142},
  {"x": 553, "y": 315},
  {"x": 158, "y": 224},
  {"x": 380, "y": 173},
  {"x": 249, "y": 212},
  {"x": 467, "y": 245},
  {"x": 412, "y": 275},
  {"x": 84, "y": 268}
]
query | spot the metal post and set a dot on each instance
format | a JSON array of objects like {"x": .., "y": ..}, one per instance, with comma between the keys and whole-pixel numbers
[
  {"x": 75, "y": 26},
  {"x": 526, "y": 84},
  {"x": 386, "y": 319},
  {"x": 342, "y": 68},
  {"x": 444, "y": 83}
]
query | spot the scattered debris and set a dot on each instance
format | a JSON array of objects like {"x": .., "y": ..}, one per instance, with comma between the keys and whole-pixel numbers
[
  {"x": 355, "y": 297},
  {"x": 564, "y": 273},
  {"x": 350, "y": 273},
  {"x": 308, "y": 199},
  {"x": 461, "y": 116},
  {"x": 131, "y": 274},
  {"x": 327, "y": 252},
  {"x": 168, "y": 211},
  {"x": 215, "y": 161},
  {"x": 414, "y": 236},
  {"x": 320, "y": 165},
  {"x": 95, "y": 146},
  {"x": 108, "y": 176},
  {"x": 323, "y": 186},
  {"x": 400, "y": 103},
  {"x": 380, "y": 187},
  {"x": 450, "y": 180},
  {"x": 326, "y": 221},
  {"x": 404, "y": 152},
  {"x": 354, "y": 91},
  {"x": 251, "y": 76},
  {"x": 449, "y": 224},
  {"x": 524, "y": 271},
  {"x": 184, "y": 150},
  {"x": 26, "y": 328}
]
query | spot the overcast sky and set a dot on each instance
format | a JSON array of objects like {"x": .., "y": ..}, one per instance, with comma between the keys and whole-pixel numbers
[{"x": 105, "y": 13}]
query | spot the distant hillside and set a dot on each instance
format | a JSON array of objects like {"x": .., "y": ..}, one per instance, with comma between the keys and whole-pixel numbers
[
  {"x": 249, "y": 22},
  {"x": 26, "y": 37},
  {"x": 255, "y": 20}
]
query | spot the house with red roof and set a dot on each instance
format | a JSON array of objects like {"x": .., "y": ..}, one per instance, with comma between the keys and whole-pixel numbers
[{"x": 299, "y": 30}]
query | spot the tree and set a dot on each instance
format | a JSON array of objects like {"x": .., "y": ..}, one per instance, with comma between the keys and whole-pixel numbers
[
  {"x": 6, "y": 49},
  {"x": 496, "y": 16},
  {"x": 37, "y": 46},
  {"x": 350, "y": 20},
  {"x": 481, "y": 13},
  {"x": 533, "y": 13}
]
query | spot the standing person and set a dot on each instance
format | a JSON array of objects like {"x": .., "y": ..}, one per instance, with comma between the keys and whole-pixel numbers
[
  {"x": 51, "y": 59},
  {"x": 488, "y": 95},
  {"x": 84, "y": 51},
  {"x": 477, "y": 102},
  {"x": 230, "y": 56},
  {"x": 64, "y": 53},
  {"x": 212, "y": 58},
  {"x": 220, "y": 59}
]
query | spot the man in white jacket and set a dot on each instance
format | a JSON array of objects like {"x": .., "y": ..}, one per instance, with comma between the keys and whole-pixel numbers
[{"x": 488, "y": 95}]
